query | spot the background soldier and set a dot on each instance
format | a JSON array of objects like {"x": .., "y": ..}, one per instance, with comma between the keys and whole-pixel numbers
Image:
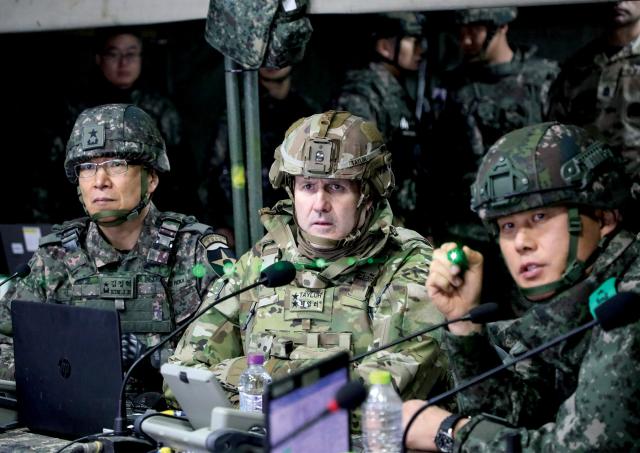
[
  {"x": 360, "y": 281},
  {"x": 599, "y": 88},
  {"x": 165, "y": 260},
  {"x": 495, "y": 90},
  {"x": 379, "y": 93},
  {"x": 550, "y": 194},
  {"x": 118, "y": 78}
]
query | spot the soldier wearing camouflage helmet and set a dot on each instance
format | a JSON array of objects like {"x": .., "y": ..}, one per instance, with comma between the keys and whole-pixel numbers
[
  {"x": 378, "y": 93},
  {"x": 598, "y": 89},
  {"x": 360, "y": 280},
  {"x": 153, "y": 267},
  {"x": 552, "y": 197},
  {"x": 496, "y": 89}
]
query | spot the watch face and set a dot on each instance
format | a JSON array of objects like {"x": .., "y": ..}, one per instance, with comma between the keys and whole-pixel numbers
[{"x": 444, "y": 442}]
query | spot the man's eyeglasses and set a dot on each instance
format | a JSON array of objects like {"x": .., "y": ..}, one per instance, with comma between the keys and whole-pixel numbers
[
  {"x": 128, "y": 57},
  {"x": 113, "y": 167}
]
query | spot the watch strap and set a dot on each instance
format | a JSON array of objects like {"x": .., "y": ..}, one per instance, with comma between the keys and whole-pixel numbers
[{"x": 444, "y": 437}]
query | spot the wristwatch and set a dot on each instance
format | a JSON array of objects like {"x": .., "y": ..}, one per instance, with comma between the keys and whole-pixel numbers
[{"x": 444, "y": 438}]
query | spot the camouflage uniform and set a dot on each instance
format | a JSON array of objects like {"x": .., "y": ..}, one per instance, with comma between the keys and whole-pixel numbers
[
  {"x": 365, "y": 298},
  {"x": 599, "y": 89},
  {"x": 581, "y": 395},
  {"x": 160, "y": 281},
  {"x": 483, "y": 103},
  {"x": 378, "y": 95}
]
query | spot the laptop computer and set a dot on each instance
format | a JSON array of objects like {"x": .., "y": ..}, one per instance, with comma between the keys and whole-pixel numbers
[
  {"x": 292, "y": 401},
  {"x": 68, "y": 367},
  {"x": 19, "y": 241}
]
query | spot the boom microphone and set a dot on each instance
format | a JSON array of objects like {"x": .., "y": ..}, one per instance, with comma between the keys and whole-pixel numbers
[
  {"x": 348, "y": 397},
  {"x": 620, "y": 310},
  {"x": 278, "y": 274},
  {"x": 478, "y": 315}
]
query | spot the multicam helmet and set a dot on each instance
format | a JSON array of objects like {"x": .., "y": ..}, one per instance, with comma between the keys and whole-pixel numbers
[
  {"x": 495, "y": 16},
  {"x": 116, "y": 130},
  {"x": 544, "y": 165},
  {"x": 335, "y": 145}
]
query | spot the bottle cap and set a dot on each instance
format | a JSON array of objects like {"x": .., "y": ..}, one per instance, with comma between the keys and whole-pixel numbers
[
  {"x": 380, "y": 377},
  {"x": 255, "y": 358}
]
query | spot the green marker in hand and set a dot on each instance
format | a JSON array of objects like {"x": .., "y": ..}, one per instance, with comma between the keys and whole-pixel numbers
[{"x": 457, "y": 257}]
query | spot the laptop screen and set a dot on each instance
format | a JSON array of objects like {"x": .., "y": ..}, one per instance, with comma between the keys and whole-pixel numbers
[
  {"x": 297, "y": 399},
  {"x": 68, "y": 367}
]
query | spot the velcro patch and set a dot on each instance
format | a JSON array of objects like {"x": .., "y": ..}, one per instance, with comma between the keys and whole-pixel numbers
[
  {"x": 218, "y": 252},
  {"x": 92, "y": 136},
  {"x": 305, "y": 299}
]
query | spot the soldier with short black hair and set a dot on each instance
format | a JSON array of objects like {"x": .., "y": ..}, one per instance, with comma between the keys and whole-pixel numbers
[
  {"x": 360, "y": 280},
  {"x": 552, "y": 197},
  {"x": 153, "y": 267}
]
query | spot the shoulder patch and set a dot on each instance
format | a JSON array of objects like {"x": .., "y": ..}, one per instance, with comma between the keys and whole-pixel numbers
[
  {"x": 210, "y": 239},
  {"x": 218, "y": 252}
]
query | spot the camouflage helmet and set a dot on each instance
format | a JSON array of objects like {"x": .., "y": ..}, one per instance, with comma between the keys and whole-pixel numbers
[
  {"x": 547, "y": 164},
  {"x": 116, "y": 130},
  {"x": 496, "y": 16},
  {"x": 334, "y": 145},
  {"x": 402, "y": 24}
]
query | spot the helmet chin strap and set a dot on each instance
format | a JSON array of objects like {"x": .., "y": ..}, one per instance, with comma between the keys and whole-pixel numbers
[
  {"x": 122, "y": 215},
  {"x": 575, "y": 269}
]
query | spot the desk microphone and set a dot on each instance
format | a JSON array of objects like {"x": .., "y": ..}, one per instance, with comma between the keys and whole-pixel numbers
[
  {"x": 278, "y": 274},
  {"x": 348, "y": 397},
  {"x": 22, "y": 271},
  {"x": 479, "y": 315},
  {"x": 620, "y": 310}
]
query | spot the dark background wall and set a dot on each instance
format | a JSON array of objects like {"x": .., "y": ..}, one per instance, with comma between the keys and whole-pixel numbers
[{"x": 40, "y": 69}]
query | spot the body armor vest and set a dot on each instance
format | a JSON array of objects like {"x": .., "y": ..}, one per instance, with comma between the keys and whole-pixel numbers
[
  {"x": 324, "y": 309},
  {"x": 137, "y": 288}
]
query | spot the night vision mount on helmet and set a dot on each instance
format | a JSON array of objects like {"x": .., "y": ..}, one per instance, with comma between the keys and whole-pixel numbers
[{"x": 549, "y": 164}]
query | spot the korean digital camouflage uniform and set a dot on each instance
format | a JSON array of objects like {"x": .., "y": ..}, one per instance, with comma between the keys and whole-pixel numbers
[
  {"x": 378, "y": 95},
  {"x": 484, "y": 101},
  {"x": 364, "y": 291},
  {"x": 599, "y": 89},
  {"x": 581, "y": 395},
  {"x": 158, "y": 283}
]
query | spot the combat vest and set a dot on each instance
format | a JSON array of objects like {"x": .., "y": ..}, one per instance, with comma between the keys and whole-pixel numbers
[
  {"x": 324, "y": 309},
  {"x": 499, "y": 98},
  {"x": 140, "y": 293}
]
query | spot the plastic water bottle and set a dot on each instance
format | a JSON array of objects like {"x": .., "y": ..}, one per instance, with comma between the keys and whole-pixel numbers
[
  {"x": 253, "y": 382},
  {"x": 382, "y": 416}
]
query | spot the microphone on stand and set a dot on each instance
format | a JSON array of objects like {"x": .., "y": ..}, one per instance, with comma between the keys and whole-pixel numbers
[
  {"x": 481, "y": 314},
  {"x": 620, "y": 310},
  {"x": 22, "y": 271},
  {"x": 278, "y": 274},
  {"x": 348, "y": 397}
]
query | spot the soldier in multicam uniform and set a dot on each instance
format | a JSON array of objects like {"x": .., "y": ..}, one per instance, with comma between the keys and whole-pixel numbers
[
  {"x": 378, "y": 93},
  {"x": 495, "y": 90},
  {"x": 552, "y": 197},
  {"x": 599, "y": 88},
  {"x": 360, "y": 280},
  {"x": 153, "y": 267}
]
